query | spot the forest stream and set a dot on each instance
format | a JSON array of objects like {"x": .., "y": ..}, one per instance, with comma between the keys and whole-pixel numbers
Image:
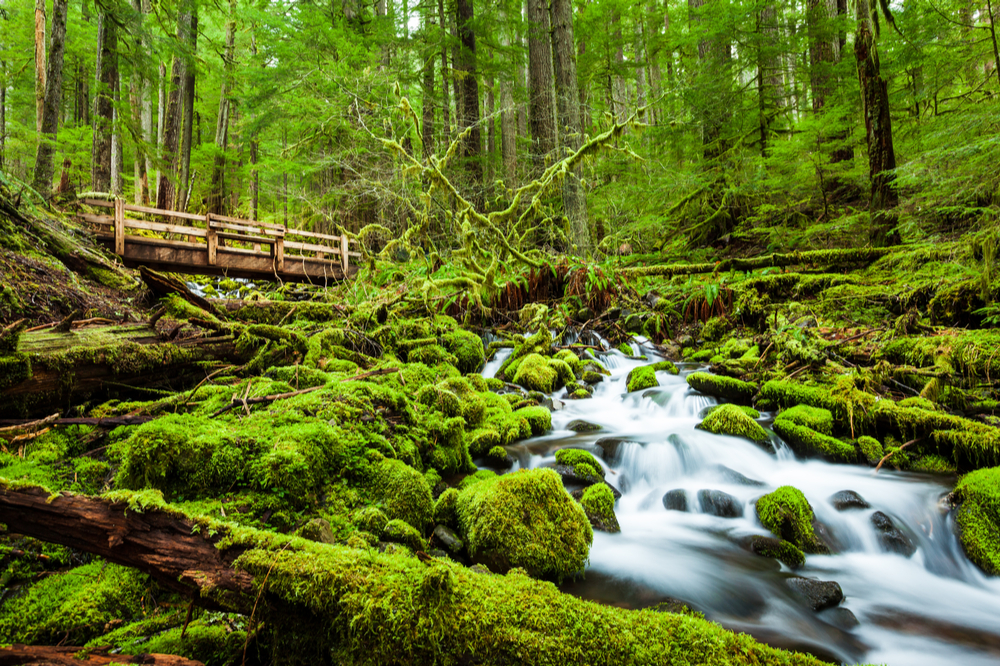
[{"x": 934, "y": 607}]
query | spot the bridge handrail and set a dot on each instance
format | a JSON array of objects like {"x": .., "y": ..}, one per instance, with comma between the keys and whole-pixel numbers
[{"x": 218, "y": 228}]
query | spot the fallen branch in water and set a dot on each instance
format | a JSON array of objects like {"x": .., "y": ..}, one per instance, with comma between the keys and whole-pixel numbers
[{"x": 887, "y": 456}]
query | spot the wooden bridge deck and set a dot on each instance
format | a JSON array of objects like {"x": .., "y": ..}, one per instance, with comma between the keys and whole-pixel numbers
[{"x": 219, "y": 245}]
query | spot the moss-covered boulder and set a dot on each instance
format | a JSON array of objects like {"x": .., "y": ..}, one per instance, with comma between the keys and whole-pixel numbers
[
  {"x": 402, "y": 493},
  {"x": 599, "y": 503},
  {"x": 745, "y": 409},
  {"x": 869, "y": 449},
  {"x": 579, "y": 466},
  {"x": 721, "y": 386},
  {"x": 773, "y": 547},
  {"x": 467, "y": 349},
  {"x": 642, "y": 377},
  {"x": 525, "y": 519},
  {"x": 979, "y": 517},
  {"x": 728, "y": 419},
  {"x": 817, "y": 419},
  {"x": 808, "y": 442},
  {"x": 667, "y": 366},
  {"x": 403, "y": 533},
  {"x": 535, "y": 374},
  {"x": 786, "y": 513}
]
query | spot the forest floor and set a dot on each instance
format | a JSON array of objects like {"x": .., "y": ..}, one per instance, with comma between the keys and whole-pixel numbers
[{"x": 338, "y": 449}]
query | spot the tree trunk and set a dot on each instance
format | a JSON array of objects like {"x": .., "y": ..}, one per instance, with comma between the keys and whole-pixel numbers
[
  {"x": 217, "y": 193},
  {"x": 187, "y": 33},
  {"x": 254, "y": 149},
  {"x": 641, "y": 59},
  {"x": 770, "y": 95},
  {"x": 104, "y": 94},
  {"x": 570, "y": 131},
  {"x": 3, "y": 114},
  {"x": 878, "y": 130},
  {"x": 540, "y": 114},
  {"x": 53, "y": 100},
  {"x": 427, "y": 80},
  {"x": 40, "y": 88},
  {"x": 161, "y": 116},
  {"x": 822, "y": 45},
  {"x": 619, "y": 97},
  {"x": 445, "y": 75},
  {"x": 116, "y": 143},
  {"x": 142, "y": 111},
  {"x": 714, "y": 82},
  {"x": 469, "y": 113},
  {"x": 171, "y": 140},
  {"x": 491, "y": 135}
]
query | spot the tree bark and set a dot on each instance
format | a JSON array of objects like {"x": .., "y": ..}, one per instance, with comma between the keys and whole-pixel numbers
[
  {"x": 427, "y": 81},
  {"x": 3, "y": 114},
  {"x": 171, "y": 140},
  {"x": 445, "y": 75},
  {"x": 187, "y": 33},
  {"x": 469, "y": 113},
  {"x": 770, "y": 95},
  {"x": 540, "y": 113},
  {"x": 53, "y": 101},
  {"x": 217, "y": 193},
  {"x": 142, "y": 111},
  {"x": 822, "y": 49},
  {"x": 40, "y": 88},
  {"x": 570, "y": 130},
  {"x": 714, "y": 82},
  {"x": 106, "y": 83},
  {"x": 878, "y": 130}
]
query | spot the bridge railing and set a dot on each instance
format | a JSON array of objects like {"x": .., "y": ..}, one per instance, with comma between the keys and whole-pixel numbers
[{"x": 215, "y": 231}]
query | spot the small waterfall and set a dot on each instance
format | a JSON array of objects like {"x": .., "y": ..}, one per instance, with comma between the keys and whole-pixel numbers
[{"x": 933, "y": 607}]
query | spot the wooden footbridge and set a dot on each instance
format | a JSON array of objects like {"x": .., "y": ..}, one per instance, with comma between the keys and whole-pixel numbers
[{"x": 219, "y": 245}]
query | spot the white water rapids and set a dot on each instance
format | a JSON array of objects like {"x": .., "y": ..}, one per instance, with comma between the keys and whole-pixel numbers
[{"x": 934, "y": 607}]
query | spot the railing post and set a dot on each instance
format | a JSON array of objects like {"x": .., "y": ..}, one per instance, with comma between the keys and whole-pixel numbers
[
  {"x": 344, "y": 261},
  {"x": 279, "y": 254},
  {"x": 213, "y": 241},
  {"x": 119, "y": 227}
]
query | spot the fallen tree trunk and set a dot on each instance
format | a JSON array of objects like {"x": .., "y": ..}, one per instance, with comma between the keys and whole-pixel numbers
[
  {"x": 19, "y": 654},
  {"x": 837, "y": 257},
  {"x": 345, "y": 605}
]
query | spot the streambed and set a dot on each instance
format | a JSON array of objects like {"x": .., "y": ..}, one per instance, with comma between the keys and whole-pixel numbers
[{"x": 934, "y": 607}]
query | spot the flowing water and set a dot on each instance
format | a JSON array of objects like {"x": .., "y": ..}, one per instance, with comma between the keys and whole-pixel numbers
[{"x": 934, "y": 607}]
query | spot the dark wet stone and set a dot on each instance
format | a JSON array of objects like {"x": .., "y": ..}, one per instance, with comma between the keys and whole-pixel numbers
[
  {"x": 437, "y": 553},
  {"x": 613, "y": 313},
  {"x": 685, "y": 341},
  {"x": 633, "y": 323},
  {"x": 890, "y": 537},
  {"x": 581, "y": 426},
  {"x": 446, "y": 538},
  {"x": 584, "y": 314},
  {"x": 734, "y": 477},
  {"x": 479, "y": 568},
  {"x": 719, "y": 503},
  {"x": 578, "y": 493},
  {"x": 318, "y": 530},
  {"x": 817, "y": 594},
  {"x": 500, "y": 463},
  {"x": 569, "y": 476},
  {"x": 773, "y": 547},
  {"x": 438, "y": 489},
  {"x": 840, "y": 617},
  {"x": 609, "y": 448},
  {"x": 676, "y": 500},
  {"x": 848, "y": 500}
]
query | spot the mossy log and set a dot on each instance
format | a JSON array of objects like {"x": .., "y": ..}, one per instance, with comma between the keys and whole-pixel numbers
[
  {"x": 836, "y": 257},
  {"x": 19, "y": 654},
  {"x": 343, "y": 604},
  {"x": 57, "y": 370}
]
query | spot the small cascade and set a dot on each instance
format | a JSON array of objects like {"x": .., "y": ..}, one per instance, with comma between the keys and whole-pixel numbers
[{"x": 930, "y": 607}]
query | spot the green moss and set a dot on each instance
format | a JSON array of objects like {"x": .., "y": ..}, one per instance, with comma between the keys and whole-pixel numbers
[
  {"x": 73, "y": 606},
  {"x": 467, "y": 348},
  {"x": 808, "y": 442},
  {"x": 626, "y": 348},
  {"x": 641, "y": 377},
  {"x": 584, "y": 465},
  {"x": 571, "y": 359},
  {"x": 539, "y": 343},
  {"x": 476, "y": 478},
  {"x": 403, "y": 533},
  {"x": 599, "y": 504},
  {"x": 870, "y": 449},
  {"x": 15, "y": 367},
  {"x": 748, "y": 411},
  {"x": 371, "y": 520},
  {"x": 817, "y": 419},
  {"x": 971, "y": 450},
  {"x": 720, "y": 386},
  {"x": 403, "y": 494},
  {"x": 445, "y": 511},
  {"x": 665, "y": 365},
  {"x": 933, "y": 464},
  {"x": 432, "y": 355},
  {"x": 788, "y": 515},
  {"x": 525, "y": 519},
  {"x": 538, "y": 418},
  {"x": 782, "y": 550},
  {"x": 979, "y": 518},
  {"x": 714, "y": 329},
  {"x": 728, "y": 419},
  {"x": 213, "y": 638},
  {"x": 535, "y": 373}
]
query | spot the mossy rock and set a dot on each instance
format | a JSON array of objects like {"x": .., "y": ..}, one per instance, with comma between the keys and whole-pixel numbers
[
  {"x": 748, "y": 411},
  {"x": 808, "y": 442},
  {"x": 971, "y": 450},
  {"x": 591, "y": 377},
  {"x": 788, "y": 515},
  {"x": 371, "y": 520},
  {"x": 535, "y": 373},
  {"x": 667, "y": 366},
  {"x": 642, "y": 377},
  {"x": 782, "y": 550},
  {"x": 403, "y": 533},
  {"x": 525, "y": 519},
  {"x": 476, "y": 478},
  {"x": 467, "y": 348},
  {"x": 571, "y": 359},
  {"x": 599, "y": 503},
  {"x": 403, "y": 493},
  {"x": 728, "y": 419},
  {"x": 933, "y": 464},
  {"x": 714, "y": 329},
  {"x": 721, "y": 386},
  {"x": 445, "y": 512},
  {"x": 583, "y": 463},
  {"x": 817, "y": 419},
  {"x": 869, "y": 449},
  {"x": 978, "y": 518}
]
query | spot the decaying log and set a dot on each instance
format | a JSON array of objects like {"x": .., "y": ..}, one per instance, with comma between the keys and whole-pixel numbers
[
  {"x": 844, "y": 257},
  {"x": 162, "y": 285},
  {"x": 164, "y": 545},
  {"x": 101, "y": 422},
  {"x": 19, "y": 654}
]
